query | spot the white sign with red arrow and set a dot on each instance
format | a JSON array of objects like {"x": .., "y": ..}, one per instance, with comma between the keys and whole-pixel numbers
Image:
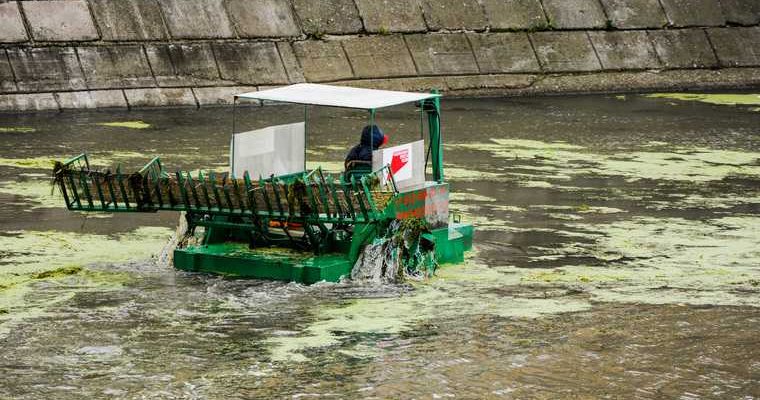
[
  {"x": 400, "y": 160},
  {"x": 406, "y": 162}
]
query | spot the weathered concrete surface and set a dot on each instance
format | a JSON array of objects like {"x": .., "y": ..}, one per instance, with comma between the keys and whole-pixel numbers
[
  {"x": 565, "y": 51},
  {"x": 683, "y": 48},
  {"x": 463, "y": 85},
  {"x": 209, "y": 96},
  {"x": 289, "y": 60},
  {"x": 607, "y": 82},
  {"x": 379, "y": 56},
  {"x": 624, "y": 50},
  {"x": 28, "y": 102},
  {"x": 736, "y": 47},
  {"x": 611, "y": 82},
  {"x": 250, "y": 63},
  {"x": 742, "y": 12},
  {"x": 454, "y": 14},
  {"x": 575, "y": 14},
  {"x": 512, "y": 81},
  {"x": 115, "y": 67},
  {"x": 197, "y": 19},
  {"x": 424, "y": 84},
  {"x": 514, "y": 14},
  {"x": 129, "y": 19},
  {"x": 158, "y": 97},
  {"x": 263, "y": 18},
  {"x": 191, "y": 64},
  {"x": 55, "y": 20},
  {"x": 694, "y": 12},
  {"x": 331, "y": 17},
  {"x": 382, "y": 16},
  {"x": 91, "y": 99},
  {"x": 11, "y": 25},
  {"x": 442, "y": 54},
  {"x": 7, "y": 83},
  {"x": 46, "y": 69},
  {"x": 633, "y": 14},
  {"x": 503, "y": 52},
  {"x": 322, "y": 60}
]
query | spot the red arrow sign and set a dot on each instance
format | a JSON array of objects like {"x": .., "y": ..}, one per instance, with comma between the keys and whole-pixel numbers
[{"x": 398, "y": 162}]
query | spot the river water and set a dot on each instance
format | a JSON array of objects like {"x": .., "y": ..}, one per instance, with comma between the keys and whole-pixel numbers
[{"x": 617, "y": 255}]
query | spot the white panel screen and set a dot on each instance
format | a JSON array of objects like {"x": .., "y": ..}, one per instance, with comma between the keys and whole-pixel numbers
[
  {"x": 277, "y": 150},
  {"x": 407, "y": 161}
]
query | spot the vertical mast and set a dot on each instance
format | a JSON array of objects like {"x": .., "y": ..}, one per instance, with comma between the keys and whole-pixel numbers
[{"x": 433, "y": 109}]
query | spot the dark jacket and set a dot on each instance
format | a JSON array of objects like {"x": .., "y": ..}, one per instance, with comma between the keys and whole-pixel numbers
[{"x": 361, "y": 154}]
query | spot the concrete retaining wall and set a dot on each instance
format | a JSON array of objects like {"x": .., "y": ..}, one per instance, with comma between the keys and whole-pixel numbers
[{"x": 63, "y": 54}]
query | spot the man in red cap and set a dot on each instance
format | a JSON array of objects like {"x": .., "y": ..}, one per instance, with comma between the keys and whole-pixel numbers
[{"x": 360, "y": 156}]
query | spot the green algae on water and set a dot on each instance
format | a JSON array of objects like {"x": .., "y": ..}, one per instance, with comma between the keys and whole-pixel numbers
[
  {"x": 101, "y": 159},
  {"x": 17, "y": 129},
  {"x": 560, "y": 161},
  {"x": 662, "y": 261},
  {"x": 31, "y": 252},
  {"x": 58, "y": 272},
  {"x": 31, "y": 256},
  {"x": 460, "y": 291},
  {"x": 126, "y": 124},
  {"x": 37, "y": 193},
  {"x": 719, "y": 99},
  {"x": 35, "y": 162},
  {"x": 328, "y": 166},
  {"x": 467, "y": 196},
  {"x": 457, "y": 173}
]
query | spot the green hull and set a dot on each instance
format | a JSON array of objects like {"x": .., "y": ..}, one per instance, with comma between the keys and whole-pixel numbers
[{"x": 236, "y": 259}]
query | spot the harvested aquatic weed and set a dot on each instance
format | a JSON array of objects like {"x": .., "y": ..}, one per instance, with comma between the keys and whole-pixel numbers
[{"x": 403, "y": 254}]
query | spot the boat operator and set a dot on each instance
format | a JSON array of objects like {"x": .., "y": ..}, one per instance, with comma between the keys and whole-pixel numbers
[{"x": 359, "y": 158}]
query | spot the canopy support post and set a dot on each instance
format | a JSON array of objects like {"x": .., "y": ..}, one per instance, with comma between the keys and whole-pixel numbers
[
  {"x": 433, "y": 109},
  {"x": 305, "y": 131},
  {"x": 371, "y": 136},
  {"x": 232, "y": 142}
]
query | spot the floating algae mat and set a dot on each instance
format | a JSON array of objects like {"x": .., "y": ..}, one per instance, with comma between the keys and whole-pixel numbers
[
  {"x": 17, "y": 129},
  {"x": 126, "y": 124},
  {"x": 662, "y": 261},
  {"x": 646, "y": 260},
  {"x": 559, "y": 161},
  {"x": 328, "y": 166},
  {"x": 35, "y": 193},
  {"x": 719, "y": 99},
  {"x": 33, "y": 256},
  {"x": 32, "y": 163},
  {"x": 31, "y": 252},
  {"x": 104, "y": 159},
  {"x": 456, "y": 292}
]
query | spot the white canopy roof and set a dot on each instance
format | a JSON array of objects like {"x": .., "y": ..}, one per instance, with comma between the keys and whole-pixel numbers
[{"x": 337, "y": 96}]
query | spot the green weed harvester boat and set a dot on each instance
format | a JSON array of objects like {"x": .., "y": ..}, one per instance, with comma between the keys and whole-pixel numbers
[{"x": 269, "y": 217}]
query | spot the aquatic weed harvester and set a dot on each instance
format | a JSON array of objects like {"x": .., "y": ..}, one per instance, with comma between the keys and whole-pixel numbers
[{"x": 271, "y": 218}]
